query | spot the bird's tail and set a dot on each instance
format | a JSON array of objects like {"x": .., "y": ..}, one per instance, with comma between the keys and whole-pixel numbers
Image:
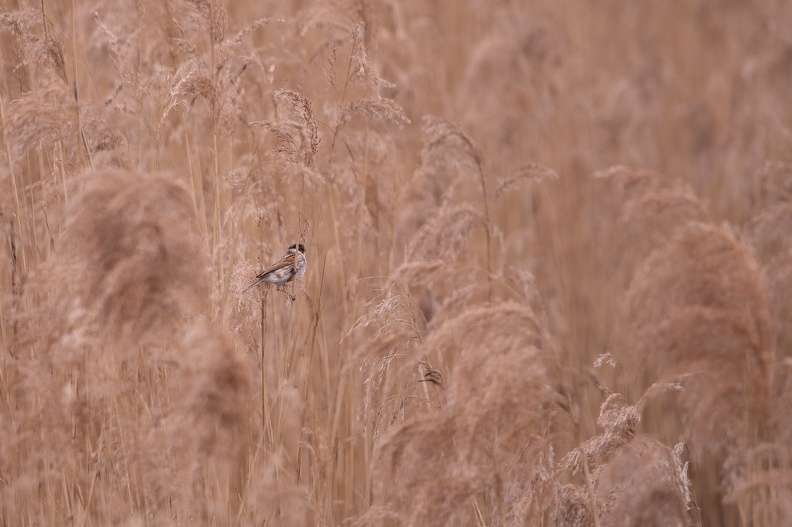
[{"x": 251, "y": 286}]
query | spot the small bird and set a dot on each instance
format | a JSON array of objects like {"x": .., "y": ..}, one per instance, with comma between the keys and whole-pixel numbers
[{"x": 291, "y": 266}]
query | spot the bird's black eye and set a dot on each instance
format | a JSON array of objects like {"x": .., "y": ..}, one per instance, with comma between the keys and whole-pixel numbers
[
  {"x": 302, "y": 248},
  {"x": 292, "y": 246}
]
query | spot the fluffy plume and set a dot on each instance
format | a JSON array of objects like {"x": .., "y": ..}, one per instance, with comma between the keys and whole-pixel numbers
[
  {"x": 698, "y": 306},
  {"x": 128, "y": 264},
  {"x": 485, "y": 454}
]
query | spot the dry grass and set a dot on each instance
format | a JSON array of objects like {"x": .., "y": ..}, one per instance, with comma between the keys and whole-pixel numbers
[{"x": 549, "y": 263}]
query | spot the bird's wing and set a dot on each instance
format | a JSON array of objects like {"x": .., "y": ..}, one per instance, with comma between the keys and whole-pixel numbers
[
  {"x": 279, "y": 270},
  {"x": 285, "y": 262}
]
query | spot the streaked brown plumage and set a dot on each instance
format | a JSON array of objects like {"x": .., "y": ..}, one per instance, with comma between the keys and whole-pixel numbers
[{"x": 291, "y": 266}]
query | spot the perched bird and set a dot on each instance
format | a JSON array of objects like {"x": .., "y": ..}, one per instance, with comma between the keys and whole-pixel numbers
[{"x": 291, "y": 266}]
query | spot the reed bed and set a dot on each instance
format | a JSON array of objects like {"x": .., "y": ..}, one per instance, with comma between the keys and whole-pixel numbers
[{"x": 549, "y": 258}]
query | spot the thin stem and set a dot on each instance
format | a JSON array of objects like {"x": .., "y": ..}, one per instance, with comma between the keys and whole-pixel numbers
[{"x": 76, "y": 94}]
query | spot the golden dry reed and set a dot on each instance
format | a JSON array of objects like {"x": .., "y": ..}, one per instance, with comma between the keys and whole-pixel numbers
[{"x": 549, "y": 262}]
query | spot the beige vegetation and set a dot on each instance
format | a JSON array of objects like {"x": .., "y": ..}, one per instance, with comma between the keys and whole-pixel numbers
[{"x": 549, "y": 263}]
